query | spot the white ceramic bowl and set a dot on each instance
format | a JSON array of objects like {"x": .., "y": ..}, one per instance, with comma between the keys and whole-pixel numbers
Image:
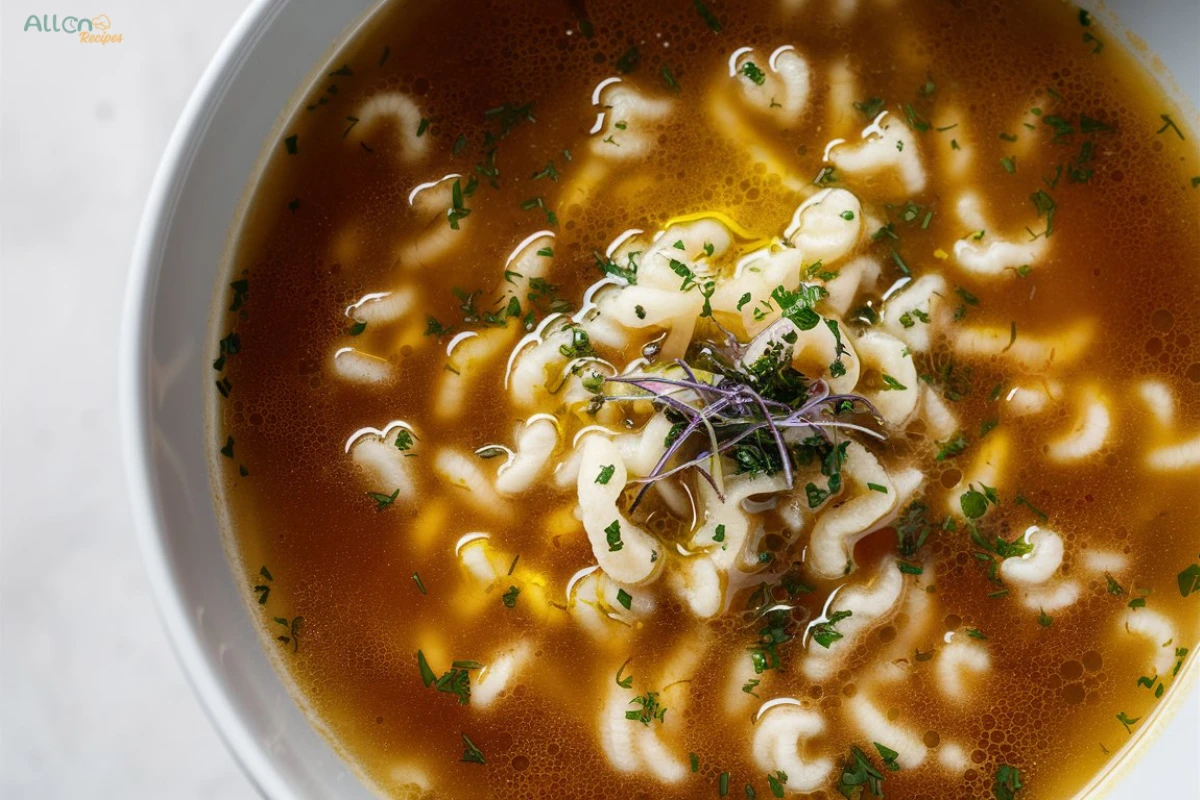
[{"x": 271, "y": 57}]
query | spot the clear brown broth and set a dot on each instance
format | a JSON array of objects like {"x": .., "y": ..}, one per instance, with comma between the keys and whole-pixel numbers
[{"x": 1127, "y": 251}]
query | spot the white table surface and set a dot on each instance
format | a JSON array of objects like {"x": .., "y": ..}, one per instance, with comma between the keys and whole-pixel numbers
[{"x": 92, "y": 703}]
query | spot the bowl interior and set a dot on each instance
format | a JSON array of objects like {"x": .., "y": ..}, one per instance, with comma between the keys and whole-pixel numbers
[
  {"x": 212, "y": 158},
  {"x": 192, "y": 209}
]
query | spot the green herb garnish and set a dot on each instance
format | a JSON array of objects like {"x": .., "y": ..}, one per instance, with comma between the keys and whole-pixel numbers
[
  {"x": 471, "y": 753},
  {"x": 613, "y": 534},
  {"x": 825, "y": 633},
  {"x": 709, "y": 18},
  {"x": 1007, "y": 783},
  {"x": 628, "y": 60},
  {"x": 859, "y": 774},
  {"x": 753, "y": 73}
]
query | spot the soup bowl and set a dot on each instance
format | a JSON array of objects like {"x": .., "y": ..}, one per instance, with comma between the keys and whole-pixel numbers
[{"x": 271, "y": 57}]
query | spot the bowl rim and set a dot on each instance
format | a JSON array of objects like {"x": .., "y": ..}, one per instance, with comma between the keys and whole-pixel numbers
[{"x": 133, "y": 415}]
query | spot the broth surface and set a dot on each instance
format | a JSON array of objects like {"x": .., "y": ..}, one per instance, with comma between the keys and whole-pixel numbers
[{"x": 350, "y": 582}]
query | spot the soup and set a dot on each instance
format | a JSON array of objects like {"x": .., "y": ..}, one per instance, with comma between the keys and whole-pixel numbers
[{"x": 703, "y": 399}]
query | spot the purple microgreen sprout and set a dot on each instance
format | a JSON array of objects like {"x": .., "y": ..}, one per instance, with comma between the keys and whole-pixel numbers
[{"x": 730, "y": 411}]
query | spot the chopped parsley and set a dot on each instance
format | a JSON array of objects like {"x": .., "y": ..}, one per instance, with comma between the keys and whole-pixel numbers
[
  {"x": 548, "y": 171},
  {"x": 231, "y": 345},
  {"x": 953, "y": 447},
  {"x": 888, "y": 755},
  {"x": 1169, "y": 125},
  {"x": 669, "y": 78},
  {"x": 580, "y": 346},
  {"x": 382, "y": 500},
  {"x": 613, "y": 535},
  {"x": 753, "y": 73},
  {"x": 837, "y": 368},
  {"x": 627, "y": 681},
  {"x": 649, "y": 710},
  {"x": 974, "y": 503},
  {"x": 455, "y": 681},
  {"x": 427, "y": 675},
  {"x": 827, "y": 176},
  {"x": 912, "y": 529},
  {"x": 1046, "y": 207},
  {"x": 626, "y": 273},
  {"x": 858, "y": 773},
  {"x": 824, "y": 633},
  {"x": 1007, "y": 782},
  {"x": 797, "y": 306},
  {"x": 606, "y": 473},
  {"x": 540, "y": 202},
  {"x": 870, "y": 107},
  {"x": 471, "y": 753},
  {"x": 914, "y": 119},
  {"x": 435, "y": 328},
  {"x": 509, "y": 598},
  {"x": 1189, "y": 580},
  {"x": 629, "y": 60},
  {"x": 709, "y": 18},
  {"x": 457, "y": 211},
  {"x": 262, "y": 589},
  {"x": 909, "y": 319},
  {"x": 241, "y": 289},
  {"x": 625, "y": 599},
  {"x": 291, "y": 634}
]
